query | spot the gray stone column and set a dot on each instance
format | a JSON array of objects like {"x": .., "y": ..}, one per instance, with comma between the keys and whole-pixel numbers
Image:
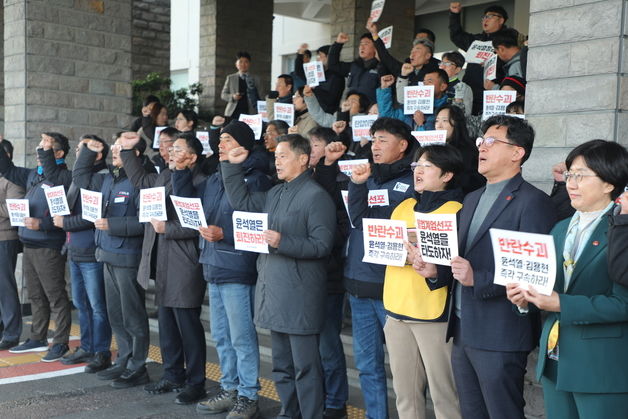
[
  {"x": 226, "y": 28},
  {"x": 577, "y": 83},
  {"x": 67, "y": 68},
  {"x": 350, "y": 16},
  {"x": 150, "y": 34}
]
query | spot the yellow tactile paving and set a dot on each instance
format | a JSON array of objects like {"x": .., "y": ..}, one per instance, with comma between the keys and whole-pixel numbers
[{"x": 27, "y": 358}]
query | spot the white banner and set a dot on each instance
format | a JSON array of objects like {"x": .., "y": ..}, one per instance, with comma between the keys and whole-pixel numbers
[
  {"x": 203, "y": 137},
  {"x": 490, "y": 68},
  {"x": 479, "y": 51},
  {"x": 437, "y": 237},
  {"x": 57, "y": 201},
  {"x": 378, "y": 198},
  {"x": 346, "y": 166},
  {"x": 418, "y": 98},
  {"x": 254, "y": 122},
  {"x": 189, "y": 211},
  {"x": 153, "y": 204},
  {"x": 496, "y": 102},
  {"x": 158, "y": 131},
  {"x": 377, "y": 7},
  {"x": 314, "y": 73},
  {"x": 18, "y": 210},
  {"x": 261, "y": 109},
  {"x": 524, "y": 258},
  {"x": 285, "y": 112},
  {"x": 91, "y": 205},
  {"x": 248, "y": 231},
  {"x": 383, "y": 241},
  {"x": 431, "y": 137},
  {"x": 361, "y": 126},
  {"x": 386, "y": 36}
]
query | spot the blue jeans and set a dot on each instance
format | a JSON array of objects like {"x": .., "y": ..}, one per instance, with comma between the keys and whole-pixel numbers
[
  {"x": 368, "y": 319},
  {"x": 232, "y": 328},
  {"x": 333, "y": 355},
  {"x": 88, "y": 295}
]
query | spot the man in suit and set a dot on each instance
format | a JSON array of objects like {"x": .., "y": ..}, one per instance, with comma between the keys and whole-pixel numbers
[
  {"x": 240, "y": 89},
  {"x": 492, "y": 338}
]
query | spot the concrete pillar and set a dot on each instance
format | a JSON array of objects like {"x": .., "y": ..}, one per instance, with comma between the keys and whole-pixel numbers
[
  {"x": 67, "y": 68},
  {"x": 226, "y": 28},
  {"x": 150, "y": 34},
  {"x": 577, "y": 84},
  {"x": 350, "y": 16},
  {"x": 2, "y": 73}
]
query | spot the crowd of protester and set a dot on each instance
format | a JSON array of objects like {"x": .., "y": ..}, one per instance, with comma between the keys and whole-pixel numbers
[{"x": 446, "y": 328}]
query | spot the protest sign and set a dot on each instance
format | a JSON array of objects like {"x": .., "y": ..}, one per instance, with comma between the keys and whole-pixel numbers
[
  {"x": 261, "y": 109},
  {"x": 346, "y": 166},
  {"x": 248, "y": 231},
  {"x": 496, "y": 102},
  {"x": 254, "y": 122},
  {"x": 189, "y": 211},
  {"x": 361, "y": 126},
  {"x": 378, "y": 198},
  {"x": 437, "y": 237},
  {"x": 479, "y": 51},
  {"x": 525, "y": 258},
  {"x": 386, "y": 36},
  {"x": 431, "y": 137},
  {"x": 91, "y": 205},
  {"x": 418, "y": 98},
  {"x": 153, "y": 204},
  {"x": 203, "y": 137},
  {"x": 314, "y": 73},
  {"x": 18, "y": 210},
  {"x": 383, "y": 241},
  {"x": 158, "y": 131},
  {"x": 57, "y": 201},
  {"x": 320, "y": 71},
  {"x": 377, "y": 7},
  {"x": 490, "y": 68},
  {"x": 516, "y": 115},
  {"x": 285, "y": 112}
]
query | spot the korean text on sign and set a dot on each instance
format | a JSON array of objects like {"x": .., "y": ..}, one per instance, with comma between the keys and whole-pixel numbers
[
  {"x": 386, "y": 35},
  {"x": 57, "y": 201},
  {"x": 189, "y": 211},
  {"x": 346, "y": 166},
  {"x": 158, "y": 131},
  {"x": 203, "y": 137},
  {"x": 383, "y": 241},
  {"x": 377, "y": 7},
  {"x": 426, "y": 138},
  {"x": 261, "y": 109},
  {"x": 479, "y": 51},
  {"x": 18, "y": 210},
  {"x": 153, "y": 204},
  {"x": 91, "y": 205},
  {"x": 496, "y": 102},
  {"x": 248, "y": 231},
  {"x": 437, "y": 237},
  {"x": 254, "y": 122},
  {"x": 285, "y": 112},
  {"x": 490, "y": 68},
  {"x": 524, "y": 258},
  {"x": 361, "y": 126},
  {"x": 418, "y": 98}
]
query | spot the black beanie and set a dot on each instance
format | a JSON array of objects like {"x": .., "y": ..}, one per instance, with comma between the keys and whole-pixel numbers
[{"x": 242, "y": 133}]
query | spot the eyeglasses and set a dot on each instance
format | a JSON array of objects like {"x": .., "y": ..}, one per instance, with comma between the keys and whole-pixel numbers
[
  {"x": 575, "y": 176},
  {"x": 490, "y": 16},
  {"x": 416, "y": 164},
  {"x": 447, "y": 63},
  {"x": 489, "y": 141}
]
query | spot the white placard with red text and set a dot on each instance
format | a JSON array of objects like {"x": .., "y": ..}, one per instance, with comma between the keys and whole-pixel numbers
[
  {"x": 386, "y": 36},
  {"x": 91, "y": 205},
  {"x": 496, "y": 102},
  {"x": 434, "y": 137},
  {"x": 479, "y": 51},
  {"x": 490, "y": 68},
  {"x": 437, "y": 237},
  {"x": 261, "y": 109},
  {"x": 248, "y": 231},
  {"x": 377, "y": 7},
  {"x": 346, "y": 166},
  {"x": 361, "y": 126},
  {"x": 314, "y": 73},
  {"x": 383, "y": 241},
  {"x": 524, "y": 258},
  {"x": 189, "y": 211},
  {"x": 18, "y": 210},
  {"x": 158, "y": 131},
  {"x": 418, "y": 98},
  {"x": 254, "y": 122},
  {"x": 203, "y": 137},
  {"x": 378, "y": 198},
  {"x": 284, "y": 112},
  {"x": 57, "y": 201},
  {"x": 153, "y": 204}
]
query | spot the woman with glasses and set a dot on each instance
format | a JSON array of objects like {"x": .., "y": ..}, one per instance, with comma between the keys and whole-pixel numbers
[
  {"x": 417, "y": 305},
  {"x": 582, "y": 362}
]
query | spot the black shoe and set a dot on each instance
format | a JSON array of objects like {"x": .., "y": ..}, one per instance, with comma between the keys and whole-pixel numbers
[
  {"x": 8, "y": 344},
  {"x": 56, "y": 352},
  {"x": 111, "y": 373},
  {"x": 331, "y": 413},
  {"x": 101, "y": 361},
  {"x": 79, "y": 356},
  {"x": 191, "y": 394},
  {"x": 163, "y": 386},
  {"x": 131, "y": 378}
]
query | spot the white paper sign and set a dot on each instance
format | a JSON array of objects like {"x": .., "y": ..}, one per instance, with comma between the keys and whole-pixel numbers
[
  {"x": 418, "y": 98},
  {"x": 437, "y": 237},
  {"x": 57, "y": 201},
  {"x": 383, "y": 241},
  {"x": 153, "y": 204},
  {"x": 361, "y": 126},
  {"x": 91, "y": 205},
  {"x": 386, "y": 36},
  {"x": 346, "y": 166},
  {"x": 490, "y": 68},
  {"x": 516, "y": 115},
  {"x": 189, "y": 211},
  {"x": 525, "y": 258},
  {"x": 479, "y": 51},
  {"x": 431, "y": 137},
  {"x": 158, "y": 131},
  {"x": 377, "y": 7},
  {"x": 285, "y": 112},
  {"x": 496, "y": 102},
  {"x": 314, "y": 73},
  {"x": 203, "y": 137},
  {"x": 18, "y": 210},
  {"x": 378, "y": 198},
  {"x": 320, "y": 71},
  {"x": 345, "y": 199},
  {"x": 254, "y": 122},
  {"x": 248, "y": 229},
  {"x": 261, "y": 109}
]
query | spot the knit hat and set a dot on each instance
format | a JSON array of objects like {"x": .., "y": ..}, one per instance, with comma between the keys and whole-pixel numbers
[
  {"x": 516, "y": 83},
  {"x": 242, "y": 133}
]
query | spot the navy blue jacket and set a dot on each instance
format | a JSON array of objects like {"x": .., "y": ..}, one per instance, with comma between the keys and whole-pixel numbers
[
  {"x": 489, "y": 321},
  {"x": 363, "y": 75}
]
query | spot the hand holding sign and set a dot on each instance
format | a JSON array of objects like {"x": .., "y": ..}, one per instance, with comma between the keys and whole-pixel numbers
[
  {"x": 516, "y": 295},
  {"x": 158, "y": 225},
  {"x": 426, "y": 270},
  {"x": 360, "y": 173},
  {"x": 462, "y": 271},
  {"x": 238, "y": 155},
  {"x": 32, "y": 223},
  {"x": 307, "y": 91},
  {"x": 544, "y": 302},
  {"x": 211, "y": 233},
  {"x": 273, "y": 238},
  {"x": 371, "y": 27},
  {"x": 57, "y": 220}
]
